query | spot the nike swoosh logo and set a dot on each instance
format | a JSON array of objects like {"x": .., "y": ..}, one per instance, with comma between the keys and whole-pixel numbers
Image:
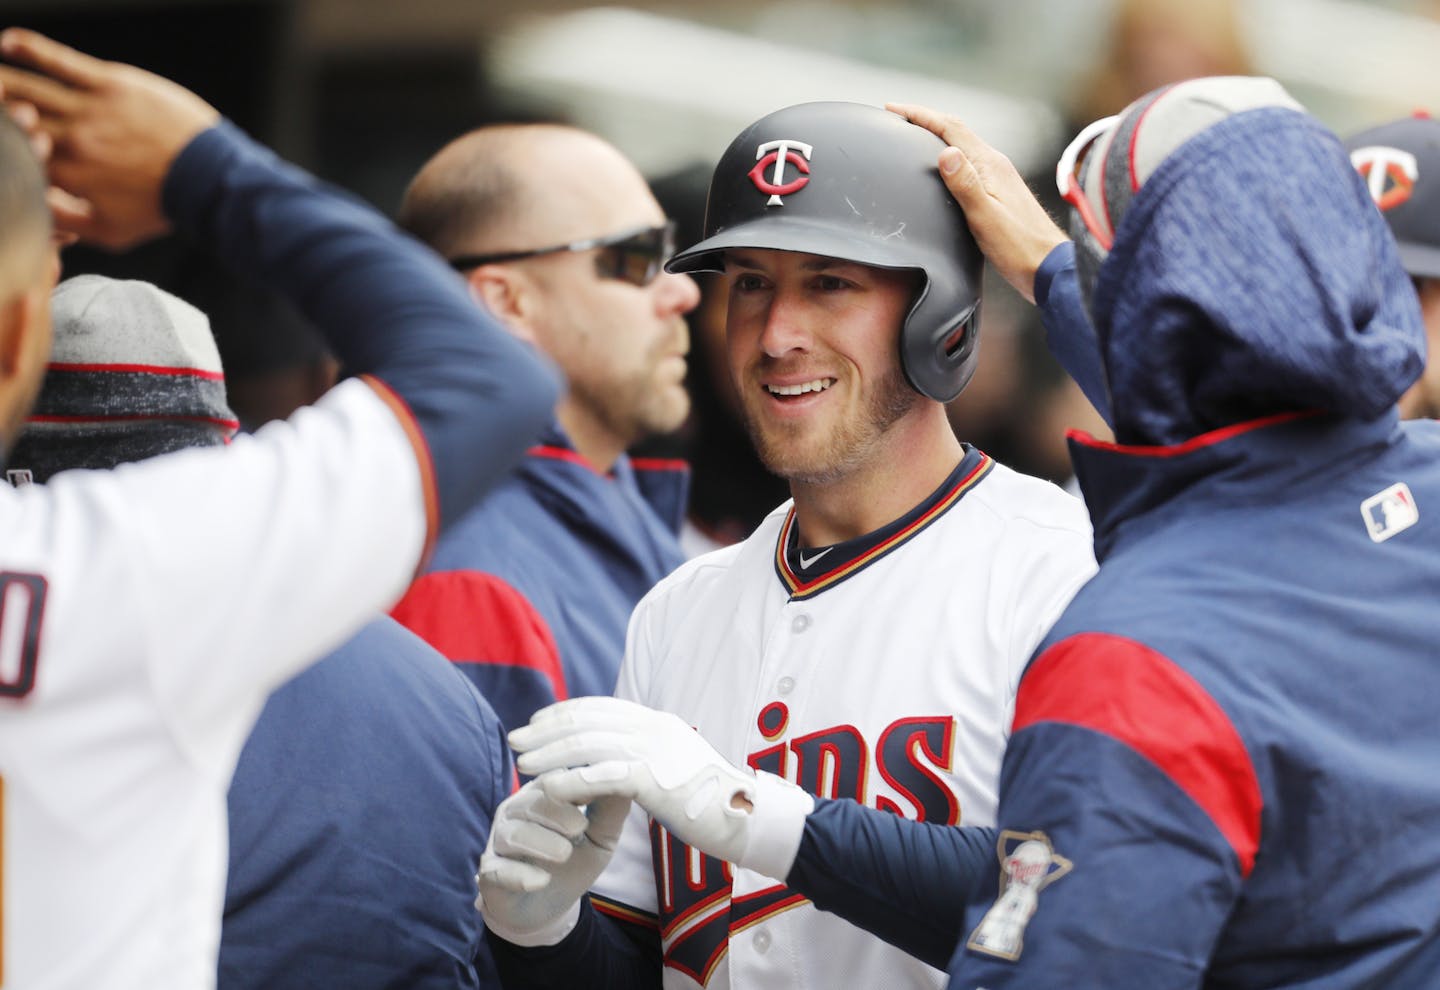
[{"x": 807, "y": 563}]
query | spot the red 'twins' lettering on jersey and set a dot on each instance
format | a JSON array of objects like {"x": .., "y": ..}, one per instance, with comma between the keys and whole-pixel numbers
[{"x": 698, "y": 915}]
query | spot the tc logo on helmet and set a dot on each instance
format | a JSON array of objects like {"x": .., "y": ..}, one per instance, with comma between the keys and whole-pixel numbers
[
  {"x": 1390, "y": 173},
  {"x": 777, "y": 153}
]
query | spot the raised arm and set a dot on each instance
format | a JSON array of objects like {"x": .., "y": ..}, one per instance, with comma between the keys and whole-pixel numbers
[
  {"x": 143, "y": 154},
  {"x": 272, "y": 551}
]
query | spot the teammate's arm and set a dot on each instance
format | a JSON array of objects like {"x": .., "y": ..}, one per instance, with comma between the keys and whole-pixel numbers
[
  {"x": 1130, "y": 815},
  {"x": 904, "y": 881},
  {"x": 1068, "y": 332},
  {"x": 141, "y": 153},
  {"x": 310, "y": 527},
  {"x": 389, "y": 311}
]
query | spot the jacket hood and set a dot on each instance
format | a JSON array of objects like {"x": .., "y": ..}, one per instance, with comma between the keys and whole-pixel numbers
[{"x": 1251, "y": 274}]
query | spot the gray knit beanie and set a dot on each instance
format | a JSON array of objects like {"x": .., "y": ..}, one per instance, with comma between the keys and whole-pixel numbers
[{"x": 133, "y": 373}]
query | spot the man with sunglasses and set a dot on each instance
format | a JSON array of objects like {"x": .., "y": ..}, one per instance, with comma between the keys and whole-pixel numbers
[{"x": 558, "y": 235}]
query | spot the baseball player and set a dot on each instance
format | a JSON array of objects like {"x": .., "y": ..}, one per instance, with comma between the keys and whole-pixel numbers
[
  {"x": 1400, "y": 162},
  {"x": 148, "y": 611},
  {"x": 1204, "y": 739},
  {"x": 864, "y": 643},
  {"x": 311, "y": 806},
  {"x": 1234, "y": 716}
]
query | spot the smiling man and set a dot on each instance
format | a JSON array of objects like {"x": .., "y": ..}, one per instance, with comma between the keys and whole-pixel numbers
[
  {"x": 865, "y": 642},
  {"x": 559, "y": 236}
]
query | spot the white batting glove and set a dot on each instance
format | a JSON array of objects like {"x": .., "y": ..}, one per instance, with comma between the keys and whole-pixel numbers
[
  {"x": 542, "y": 856},
  {"x": 592, "y": 748}
]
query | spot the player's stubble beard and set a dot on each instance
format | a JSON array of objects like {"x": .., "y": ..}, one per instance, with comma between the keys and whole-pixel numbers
[{"x": 792, "y": 452}]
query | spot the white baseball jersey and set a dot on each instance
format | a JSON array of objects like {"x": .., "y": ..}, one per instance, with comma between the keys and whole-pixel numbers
[
  {"x": 889, "y": 678},
  {"x": 147, "y": 612}
]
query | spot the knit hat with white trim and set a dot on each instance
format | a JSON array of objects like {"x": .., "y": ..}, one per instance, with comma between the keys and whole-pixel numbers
[
  {"x": 134, "y": 372},
  {"x": 1124, "y": 158}
]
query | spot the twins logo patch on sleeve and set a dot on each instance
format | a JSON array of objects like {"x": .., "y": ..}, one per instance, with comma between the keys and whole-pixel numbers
[{"x": 1028, "y": 864}]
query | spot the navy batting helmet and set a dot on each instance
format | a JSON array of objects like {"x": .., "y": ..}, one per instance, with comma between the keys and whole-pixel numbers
[{"x": 858, "y": 183}]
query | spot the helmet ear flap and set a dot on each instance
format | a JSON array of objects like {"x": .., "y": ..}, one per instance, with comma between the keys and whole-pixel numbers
[{"x": 939, "y": 346}]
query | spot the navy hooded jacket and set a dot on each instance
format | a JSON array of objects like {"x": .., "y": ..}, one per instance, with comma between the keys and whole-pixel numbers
[{"x": 1222, "y": 771}]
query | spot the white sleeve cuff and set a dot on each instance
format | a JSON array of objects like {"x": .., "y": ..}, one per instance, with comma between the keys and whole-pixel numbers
[
  {"x": 548, "y": 934},
  {"x": 776, "y": 826}
]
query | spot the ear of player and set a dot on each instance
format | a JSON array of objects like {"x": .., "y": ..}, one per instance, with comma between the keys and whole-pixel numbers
[{"x": 586, "y": 749}]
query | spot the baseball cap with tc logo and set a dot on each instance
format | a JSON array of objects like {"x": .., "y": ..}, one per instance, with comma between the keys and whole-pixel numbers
[{"x": 1400, "y": 162}]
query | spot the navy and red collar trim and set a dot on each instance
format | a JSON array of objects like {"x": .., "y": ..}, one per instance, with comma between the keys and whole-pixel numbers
[
  {"x": 556, "y": 446},
  {"x": 831, "y": 565}
]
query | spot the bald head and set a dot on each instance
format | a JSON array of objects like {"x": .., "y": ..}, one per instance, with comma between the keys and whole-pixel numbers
[
  {"x": 24, "y": 217},
  {"x": 514, "y": 187}
]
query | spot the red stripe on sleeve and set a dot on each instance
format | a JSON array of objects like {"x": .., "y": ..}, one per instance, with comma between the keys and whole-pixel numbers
[
  {"x": 1143, "y": 699},
  {"x": 429, "y": 491},
  {"x": 144, "y": 369},
  {"x": 472, "y": 617},
  {"x": 230, "y": 425}
]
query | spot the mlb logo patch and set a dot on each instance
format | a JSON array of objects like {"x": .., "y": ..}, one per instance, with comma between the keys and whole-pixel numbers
[
  {"x": 19, "y": 477},
  {"x": 1389, "y": 512}
]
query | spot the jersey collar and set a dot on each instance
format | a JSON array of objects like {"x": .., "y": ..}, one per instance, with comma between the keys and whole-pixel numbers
[{"x": 805, "y": 573}]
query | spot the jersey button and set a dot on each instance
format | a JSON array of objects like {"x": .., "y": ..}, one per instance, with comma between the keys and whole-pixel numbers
[
  {"x": 762, "y": 941},
  {"x": 800, "y": 623},
  {"x": 785, "y": 685}
]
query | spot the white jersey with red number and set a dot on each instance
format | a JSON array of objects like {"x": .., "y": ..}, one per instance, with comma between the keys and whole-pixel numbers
[
  {"x": 890, "y": 679},
  {"x": 147, "y": 612}
]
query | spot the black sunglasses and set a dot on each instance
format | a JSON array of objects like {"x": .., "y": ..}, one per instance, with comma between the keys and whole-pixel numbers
[{"x": 634, "y": 256}]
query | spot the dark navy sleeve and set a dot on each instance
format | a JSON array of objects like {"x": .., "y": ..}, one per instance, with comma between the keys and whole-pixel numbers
[
  {"x": 389, "y": 309},
  {"x": 1068, "y": 332},
  {"x": 1130, "y": 816},
  {"x": 904, "y": 881},
  {"x": 601, "y": 953}
]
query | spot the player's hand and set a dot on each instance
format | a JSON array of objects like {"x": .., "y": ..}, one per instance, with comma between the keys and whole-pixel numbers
[
  {"x": 588, "y": 748},
  {"x": 542, "y": 856},
  {"x": 113, "y": 131},
  {"x": 1011, "y": 227}
]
